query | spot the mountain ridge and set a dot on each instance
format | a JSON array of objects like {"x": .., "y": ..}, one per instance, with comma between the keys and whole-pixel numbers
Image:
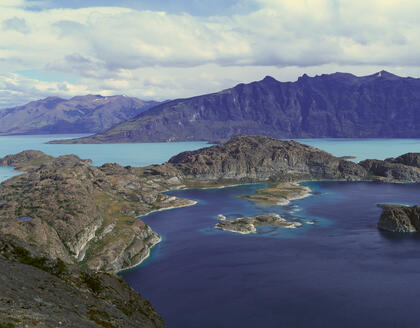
[
  {"x": 338, "y": 105},
  {"x": 79, "y": 114}
]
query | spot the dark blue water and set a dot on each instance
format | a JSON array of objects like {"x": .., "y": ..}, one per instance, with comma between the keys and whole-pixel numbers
[{"x": 340, "y": 272}]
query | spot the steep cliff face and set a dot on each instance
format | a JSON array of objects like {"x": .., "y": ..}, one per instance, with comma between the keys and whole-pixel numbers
[
  {"x": 256, "y": 158},
  {"x": 400, "y": 218},
  {"x": 81, "y": 114},
  {"x": 81, "y": 213},
  {"x": 334, "y": 105},
  {"x": 40, "y": 292}
]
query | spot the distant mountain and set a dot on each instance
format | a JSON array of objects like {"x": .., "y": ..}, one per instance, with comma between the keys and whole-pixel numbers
[
  {"x": 81, "y": 114},
  {"x": 338, "y": 105}
]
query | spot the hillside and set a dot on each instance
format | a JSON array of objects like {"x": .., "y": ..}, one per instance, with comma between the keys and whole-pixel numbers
[
  {"x": 338, "y": 105},
  {"x": 81, "y": 114}
]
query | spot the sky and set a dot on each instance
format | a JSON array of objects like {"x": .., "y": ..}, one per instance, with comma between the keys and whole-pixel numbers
[{"x": 167, "y": 49}]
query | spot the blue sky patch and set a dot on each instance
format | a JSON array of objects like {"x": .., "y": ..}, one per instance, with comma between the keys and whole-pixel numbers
[{"x": 49, "y": 76}]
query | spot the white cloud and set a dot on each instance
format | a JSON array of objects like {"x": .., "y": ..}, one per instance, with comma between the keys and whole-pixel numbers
[{"x": 159, "y": 55}]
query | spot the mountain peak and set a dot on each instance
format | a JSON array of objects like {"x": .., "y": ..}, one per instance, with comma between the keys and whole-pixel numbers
[
  {"x": 385, "y": 75},
  {"x": 269, "y": 78}
]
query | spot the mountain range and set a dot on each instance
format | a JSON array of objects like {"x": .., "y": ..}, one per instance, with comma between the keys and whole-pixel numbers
[
  {"x": 339, "y": 105},
  {"x": 81, "y": 114}
]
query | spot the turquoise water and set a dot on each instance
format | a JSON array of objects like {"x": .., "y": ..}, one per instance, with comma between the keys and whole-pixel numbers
[
  {"x": 134, "y": 154},
  {"x": 142, "y": 154},
  {"x": 365, "y": 148}
]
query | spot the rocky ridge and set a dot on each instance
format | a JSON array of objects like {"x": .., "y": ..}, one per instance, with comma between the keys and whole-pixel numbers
[
  {"x": 80, "y": 114},
  {"x": 257, "y": 158}
]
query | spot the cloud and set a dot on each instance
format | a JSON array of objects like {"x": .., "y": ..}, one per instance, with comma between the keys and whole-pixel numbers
[
  {"x": 152, "y": 53},
  {"x": 15, "y": 24}
]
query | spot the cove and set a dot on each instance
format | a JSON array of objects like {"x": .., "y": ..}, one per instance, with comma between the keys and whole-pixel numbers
[{"x": 339, "y": 272}]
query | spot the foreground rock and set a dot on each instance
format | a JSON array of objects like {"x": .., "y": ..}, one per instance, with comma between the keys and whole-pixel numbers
[
  {"x": 39, "y": 292},
  {"x": 280, "y": 194},
  {"x": 249, "y": 225},
  {"x": 399, "y": 218}
]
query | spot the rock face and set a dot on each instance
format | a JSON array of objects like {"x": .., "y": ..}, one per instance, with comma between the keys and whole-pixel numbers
[
  {"x": 334, "y": 105},
  {"x": 404, "y": 168},
  {"x": 249, "y": 225},
  {"x": 40, "y": 292},
  {"x": 410, "y": 159},
  {"x": 82, "y": 114},
  {"x": 400, "y": 218},
  {"x": 84, "y": 214},
  {"x": 256, "y": 158}
]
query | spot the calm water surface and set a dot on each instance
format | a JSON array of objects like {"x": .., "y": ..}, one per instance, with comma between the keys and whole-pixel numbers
[
  {"x": 340, "y": 272},
  {"x": 134, "y": 154},
  {"x": 365, "y": 148}
]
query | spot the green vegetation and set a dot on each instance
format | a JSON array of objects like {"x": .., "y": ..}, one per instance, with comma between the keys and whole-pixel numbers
[
  {"x": 57, "y": 267},
  {"x": 92, "y": 281}
]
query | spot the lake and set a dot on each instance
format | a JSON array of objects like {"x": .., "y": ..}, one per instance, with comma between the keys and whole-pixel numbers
[{"x": 339, "y": 272}]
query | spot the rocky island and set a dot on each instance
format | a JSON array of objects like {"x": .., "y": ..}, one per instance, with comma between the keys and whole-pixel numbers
[
  {"x": 399, "y": 218},
  {"x": 249, "y": 225},
  {"x": 280, "y": 194}
]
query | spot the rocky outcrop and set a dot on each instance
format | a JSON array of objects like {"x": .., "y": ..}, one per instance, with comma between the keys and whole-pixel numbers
[
  {"x": 257, "y": 158},
  {"x": 81, "y": 114},
  {"x": 410, "y": 159},
  {"x": 85, "y": 214},
  {"x": 249, "y": 225},
  {"x": 25, "y": 159},
  {"x": 400, "y": 169},
  {"x": 39, "y": 292},
  {"x": 336, "y": 105},
  {"x": 399, "y": 218}
]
